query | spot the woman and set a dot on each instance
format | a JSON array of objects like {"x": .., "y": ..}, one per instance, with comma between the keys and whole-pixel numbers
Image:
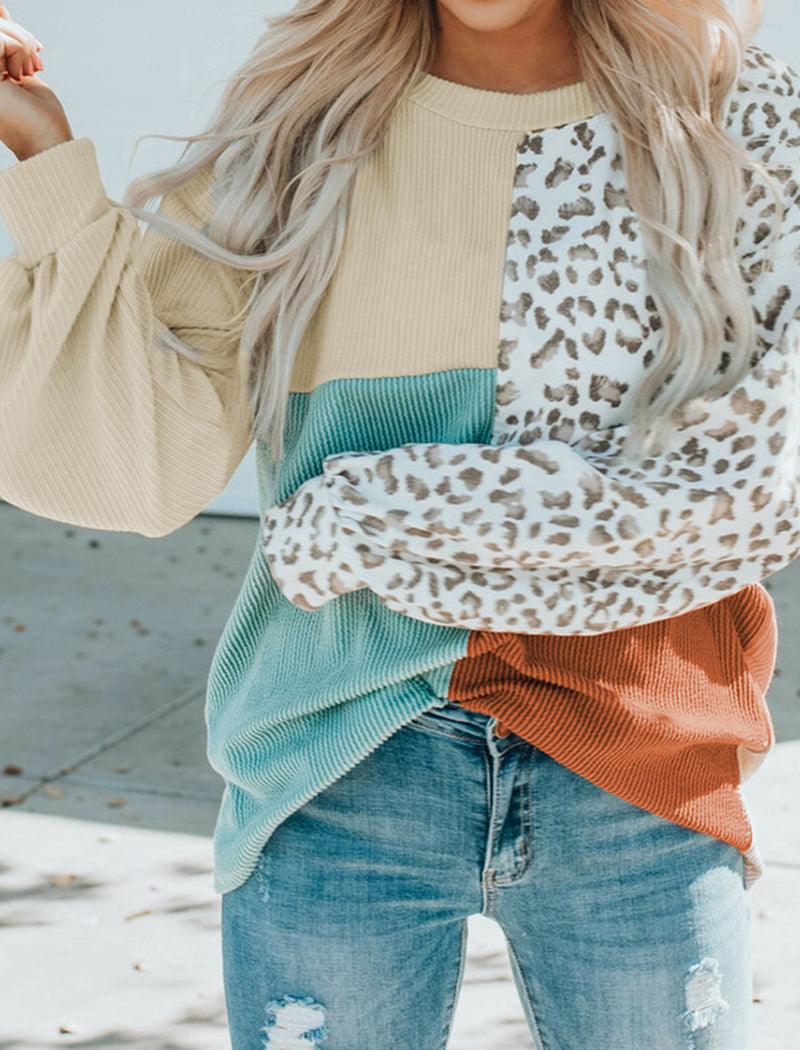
[{"x": 515, "y": 282}]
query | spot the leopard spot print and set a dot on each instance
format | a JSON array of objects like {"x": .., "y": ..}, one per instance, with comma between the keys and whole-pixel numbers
[{"x": 546, "y": 528}]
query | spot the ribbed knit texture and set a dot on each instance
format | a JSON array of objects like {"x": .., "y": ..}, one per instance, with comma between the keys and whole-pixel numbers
[
  {"x": 455, "y": 214},
  {"x": 101, "y": 427},
  {"x": 654, "y": 714}
]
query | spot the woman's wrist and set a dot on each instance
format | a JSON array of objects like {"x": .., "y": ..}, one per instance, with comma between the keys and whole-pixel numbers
[{"x": 41, "y": 145}]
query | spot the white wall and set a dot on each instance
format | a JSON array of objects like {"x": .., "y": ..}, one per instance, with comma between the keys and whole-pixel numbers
[
  {"x": 780, "y": 30},
  {"x": 159, "y": 66}
]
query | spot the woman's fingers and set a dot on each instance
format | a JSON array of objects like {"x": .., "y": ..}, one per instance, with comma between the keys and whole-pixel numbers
[
  {"x": 9, "y": 69},
  {"x": 19, "y": 48},
  {"x": 15, "y": 64},
  {"x": 12, "y": 66}
]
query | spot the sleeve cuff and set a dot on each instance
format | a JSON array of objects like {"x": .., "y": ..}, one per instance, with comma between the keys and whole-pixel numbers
[
  {"x": 306, "y": 548},
  {"x": 48, "y": 198}
]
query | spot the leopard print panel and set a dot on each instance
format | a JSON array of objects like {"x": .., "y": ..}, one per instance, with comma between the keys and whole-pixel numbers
[{"x": 545, "y": 529}]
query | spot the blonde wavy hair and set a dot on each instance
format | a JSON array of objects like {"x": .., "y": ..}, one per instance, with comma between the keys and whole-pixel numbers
[{"x": 314, "y": 100}]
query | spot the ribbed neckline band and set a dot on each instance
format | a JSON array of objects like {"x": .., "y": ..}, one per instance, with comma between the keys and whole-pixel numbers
[{"x": 502, "y": 110}]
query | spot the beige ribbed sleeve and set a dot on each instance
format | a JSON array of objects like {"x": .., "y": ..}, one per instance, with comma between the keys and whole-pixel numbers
[{"x": 99, "y": 426}]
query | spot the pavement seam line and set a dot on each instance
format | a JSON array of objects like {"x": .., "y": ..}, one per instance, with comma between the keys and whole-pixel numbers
[{"x": 116, "y": 738}]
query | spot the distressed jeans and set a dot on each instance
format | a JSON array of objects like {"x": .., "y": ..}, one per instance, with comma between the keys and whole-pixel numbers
[{"x": 624, "y": 931}]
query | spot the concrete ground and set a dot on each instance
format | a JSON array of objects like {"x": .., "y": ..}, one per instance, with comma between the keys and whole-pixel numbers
[{"x": 110, "y": 926}]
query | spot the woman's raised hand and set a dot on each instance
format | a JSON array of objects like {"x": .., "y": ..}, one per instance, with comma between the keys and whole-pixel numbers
[{"x": 31, "y": 117}]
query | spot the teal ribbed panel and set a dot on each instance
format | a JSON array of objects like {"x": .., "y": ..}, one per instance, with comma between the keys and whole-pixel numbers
[
  {"x": 372, "y": 415},
  {"x": 296, "y": 698}
]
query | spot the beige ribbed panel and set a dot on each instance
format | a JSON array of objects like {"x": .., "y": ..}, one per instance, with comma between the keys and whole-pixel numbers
[
  {"x": 418, "y": 284},
  {"x": 99, "y": 427},
  {"x": 417, "y": 287}
]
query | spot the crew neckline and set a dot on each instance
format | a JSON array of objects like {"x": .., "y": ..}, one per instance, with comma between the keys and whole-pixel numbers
[{"x": 502, "y": 110}]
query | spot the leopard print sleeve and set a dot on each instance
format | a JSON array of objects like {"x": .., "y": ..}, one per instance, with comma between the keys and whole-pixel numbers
[
  {"x": 555, "y": 531},
  {"x": 556, "y": 538}
]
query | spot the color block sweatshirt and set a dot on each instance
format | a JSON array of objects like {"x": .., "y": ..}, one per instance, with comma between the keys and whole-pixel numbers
[{"x": 452, "y": 518}]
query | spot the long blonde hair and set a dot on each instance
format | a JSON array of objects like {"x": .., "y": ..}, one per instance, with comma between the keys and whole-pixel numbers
[{"x": 314, "y": 100}]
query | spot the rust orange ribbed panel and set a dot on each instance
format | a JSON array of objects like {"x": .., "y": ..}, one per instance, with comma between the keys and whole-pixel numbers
[{"x": 654, "y": 714}]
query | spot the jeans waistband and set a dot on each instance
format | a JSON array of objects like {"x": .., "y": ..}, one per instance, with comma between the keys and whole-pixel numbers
[{"x": 471, "y": 723}]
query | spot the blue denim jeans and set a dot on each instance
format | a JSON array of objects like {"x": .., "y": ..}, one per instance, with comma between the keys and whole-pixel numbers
[{"x": 624, "y": 931}]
